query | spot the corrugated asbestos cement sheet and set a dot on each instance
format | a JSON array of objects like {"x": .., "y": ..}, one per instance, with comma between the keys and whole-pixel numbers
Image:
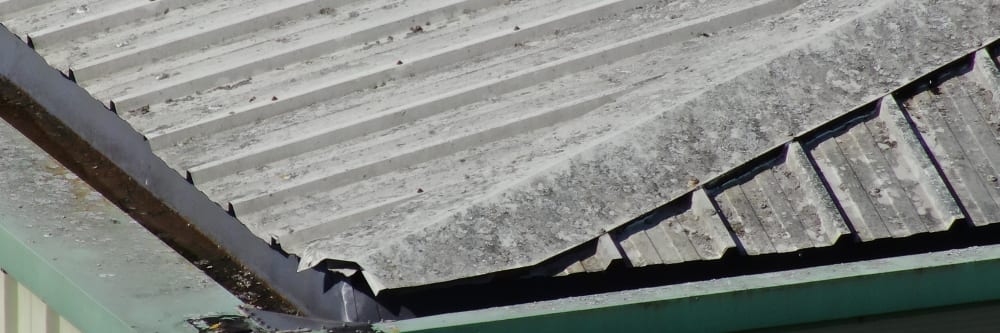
[
  {"x": 866, "y": 174},
  {"x": 23, "y": 312},
  {"x": 959, "y": 119},
  {"x": 430, "y": 141}
]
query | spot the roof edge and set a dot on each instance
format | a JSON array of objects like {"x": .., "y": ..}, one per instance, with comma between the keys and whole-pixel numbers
[
  {"x": 848, "y": 290},
  {"x": 101, "y": 148}
]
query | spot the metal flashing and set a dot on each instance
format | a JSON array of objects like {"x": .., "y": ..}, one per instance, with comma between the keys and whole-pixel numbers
[{"x": 81, "y": 132}]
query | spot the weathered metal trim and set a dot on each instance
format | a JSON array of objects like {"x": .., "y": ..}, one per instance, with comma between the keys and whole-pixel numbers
[
  {"x": 69, "y": 106},
  {"x": 750, "y": 302}
]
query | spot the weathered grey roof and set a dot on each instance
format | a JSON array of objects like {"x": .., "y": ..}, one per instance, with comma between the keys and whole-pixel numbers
[
  {"x": 435, "y": 140},
  {"x": 871, "y": 174}
]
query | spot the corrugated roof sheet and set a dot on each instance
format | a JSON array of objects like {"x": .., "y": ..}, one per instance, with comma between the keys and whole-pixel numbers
[
  {"x": 397, "y": 134},
  {"x": 690, "y": 232},
  {"x": 872, "y": 174},
  {"x": 883, "y": 179},
  {"x": 780, "y": 208},
  {"x": 958, "y": 119}
]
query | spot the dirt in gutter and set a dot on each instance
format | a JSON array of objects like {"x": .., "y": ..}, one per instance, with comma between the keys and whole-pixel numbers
[{"x": 73, "y": 152}]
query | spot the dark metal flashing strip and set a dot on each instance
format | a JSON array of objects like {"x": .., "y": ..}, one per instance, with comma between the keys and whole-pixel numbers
[
  {"x": 82, "y": 134},
  {"x": 750, "y": 302}
]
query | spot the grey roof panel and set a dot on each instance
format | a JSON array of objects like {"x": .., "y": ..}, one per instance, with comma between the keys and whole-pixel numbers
[
  {"x": 606, "y": 252},
  {"x": 691, "y": 230},
  {"x": 7, "y": 6},
  {"x": 958, "y": 121},
  {"x": 782, "y": 204},
  {"x": 395, "y": 134},
  {"x": 84, "y": 20},
  {"x": 305, "y": 93},
  {"x": 783, "y": 207},
  {"x": 389, "y": 17},
  {"x": 688, "y": 229},
  {"x": 884, "y": 181},
  {"x": 717, "y": 137},
  {"x": 229, "y": 20},
  {"x": 637, "y": 181}
]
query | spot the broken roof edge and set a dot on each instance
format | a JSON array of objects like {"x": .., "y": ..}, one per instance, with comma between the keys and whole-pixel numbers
[
  {"x": 766, "y": 160},
  {"x": 828, "y": 60},
  {"x": 76, "y": 129}
]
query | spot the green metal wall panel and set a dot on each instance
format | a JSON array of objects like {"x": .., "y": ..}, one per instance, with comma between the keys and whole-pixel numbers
[{"x": 21, "y": 311}]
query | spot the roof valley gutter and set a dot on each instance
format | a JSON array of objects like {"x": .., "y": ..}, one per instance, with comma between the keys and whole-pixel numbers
[{"x": 104, "y": 150}]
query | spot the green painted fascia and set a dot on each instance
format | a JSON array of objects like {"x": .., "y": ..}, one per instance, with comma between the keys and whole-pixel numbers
[
  {"x": 58, "y": 291},
  {"x": 94, "y": 309},
  {"x": 86, "y": 259},
  {"x": 750, "y": 302}
]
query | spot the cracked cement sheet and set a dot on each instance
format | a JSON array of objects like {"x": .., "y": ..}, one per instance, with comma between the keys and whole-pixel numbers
[{"x": 846, "y": 61}]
